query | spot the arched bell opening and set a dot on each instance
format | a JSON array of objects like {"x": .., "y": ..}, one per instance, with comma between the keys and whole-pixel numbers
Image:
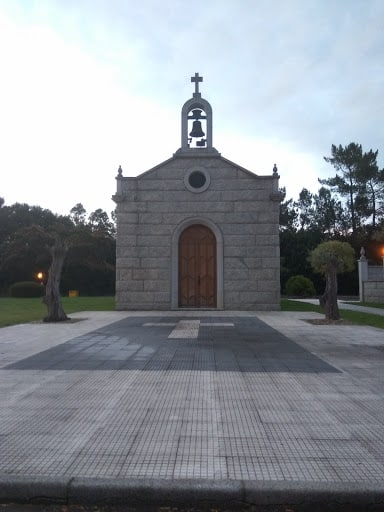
[
  {"x": 196, "y": 119},
  {"x": 196, "y": 124}
]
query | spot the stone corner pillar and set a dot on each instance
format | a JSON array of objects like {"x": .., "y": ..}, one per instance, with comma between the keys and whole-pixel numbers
[{"x": 363, "y": 273}]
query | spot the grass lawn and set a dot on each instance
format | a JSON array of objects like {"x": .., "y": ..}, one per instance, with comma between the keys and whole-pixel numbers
[
  {"x": 368, "y": 304},
  {"x": 356, "y": 317},
  {"x": 19, "y": 311},
  {"x": 294, "y": 305}
]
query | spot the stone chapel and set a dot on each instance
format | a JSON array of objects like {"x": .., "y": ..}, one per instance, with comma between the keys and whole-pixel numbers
[{"x": 197, "y": 231}]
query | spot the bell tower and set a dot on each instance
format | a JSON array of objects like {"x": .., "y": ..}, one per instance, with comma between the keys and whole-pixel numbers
[{"x": 196, "y": 121}]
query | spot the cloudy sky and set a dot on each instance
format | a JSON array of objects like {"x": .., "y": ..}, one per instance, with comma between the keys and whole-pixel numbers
[{"x": 87, "y": 85}]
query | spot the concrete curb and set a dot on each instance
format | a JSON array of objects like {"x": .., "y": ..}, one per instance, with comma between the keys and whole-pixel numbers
[
  {"x": 30, "y": 489},
  {"x": 138, "y": 495}
]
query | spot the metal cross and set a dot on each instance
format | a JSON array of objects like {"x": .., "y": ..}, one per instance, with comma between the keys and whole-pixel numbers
[{"x": 196, "y": 79}]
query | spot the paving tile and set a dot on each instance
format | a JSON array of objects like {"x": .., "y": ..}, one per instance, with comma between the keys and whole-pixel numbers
[{"x": 261, "y": 396}]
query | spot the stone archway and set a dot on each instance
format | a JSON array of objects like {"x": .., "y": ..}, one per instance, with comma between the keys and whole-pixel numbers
[
  {"x": 197, "y": 268},
  {"x": 212, "y": 276}
]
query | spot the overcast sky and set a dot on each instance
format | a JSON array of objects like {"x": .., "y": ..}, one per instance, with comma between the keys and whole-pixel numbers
[{"x": 88, "y": 85}]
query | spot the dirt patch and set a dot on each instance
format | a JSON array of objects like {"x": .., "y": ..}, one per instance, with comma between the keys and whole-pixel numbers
[
  {"x": 69, "y": 321},
  {"x": 323, "y": 321}
]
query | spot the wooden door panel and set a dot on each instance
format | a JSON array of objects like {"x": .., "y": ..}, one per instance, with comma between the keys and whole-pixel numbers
[
  {"x": 197, "y": 267},
  {"x": 187, "y": 276}
]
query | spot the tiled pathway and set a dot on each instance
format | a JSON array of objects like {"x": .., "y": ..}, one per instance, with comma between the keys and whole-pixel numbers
[{"x": 263, "y": 396}]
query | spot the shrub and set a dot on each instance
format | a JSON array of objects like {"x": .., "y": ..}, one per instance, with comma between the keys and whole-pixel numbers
[
  {"x": 26, "y": 289},
  {"x": 300, "y": 286}
]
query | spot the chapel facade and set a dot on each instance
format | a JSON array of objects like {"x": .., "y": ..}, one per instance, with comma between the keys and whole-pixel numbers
[{"x": 197, "y": 231}]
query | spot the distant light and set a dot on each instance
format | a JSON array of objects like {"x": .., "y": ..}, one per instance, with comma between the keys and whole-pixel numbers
[{"x": 40, "y": 276}]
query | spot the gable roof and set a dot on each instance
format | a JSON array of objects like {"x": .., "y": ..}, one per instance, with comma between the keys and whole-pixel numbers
[{"x": 182, "y": 154}]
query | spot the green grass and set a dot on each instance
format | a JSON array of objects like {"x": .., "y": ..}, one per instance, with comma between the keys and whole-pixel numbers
[
  {"x": 357, "y": 317},
  {"x": 19, "y": 311},
  {"x": 294, "y": 305},
  {"x": 74, "y": 304},
  {"x": 361, "y": 318},
  {"x": 377, "y": 305}
]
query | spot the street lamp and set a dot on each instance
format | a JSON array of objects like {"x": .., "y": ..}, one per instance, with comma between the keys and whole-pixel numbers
[
  {"x": 40, "y": 277},
  {"x": 382, "y": 255}
]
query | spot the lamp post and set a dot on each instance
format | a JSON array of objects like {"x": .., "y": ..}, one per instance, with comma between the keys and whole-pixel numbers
[
  {"x": 382, "y": 255},
  {"x": 40, "y": 277}
]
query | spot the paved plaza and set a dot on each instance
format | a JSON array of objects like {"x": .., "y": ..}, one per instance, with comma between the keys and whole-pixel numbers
[{"x": 232, "y": 397}]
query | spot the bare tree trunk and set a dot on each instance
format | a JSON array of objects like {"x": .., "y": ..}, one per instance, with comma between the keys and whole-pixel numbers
[
  {"x": 328, "y": 301},
  {"x": 52, "y": 290}
]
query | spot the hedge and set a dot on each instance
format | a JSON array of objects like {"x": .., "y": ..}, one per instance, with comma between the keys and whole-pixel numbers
[{"x": 26, "y": 289}]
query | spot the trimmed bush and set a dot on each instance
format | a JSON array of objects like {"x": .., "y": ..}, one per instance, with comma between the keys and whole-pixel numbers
[
  {"x": 26, "y": 290},
  {"x": 300, "y": 286}
]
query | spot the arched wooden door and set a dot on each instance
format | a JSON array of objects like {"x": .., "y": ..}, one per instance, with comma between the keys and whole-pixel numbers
[{"x": 197, "y": 267}]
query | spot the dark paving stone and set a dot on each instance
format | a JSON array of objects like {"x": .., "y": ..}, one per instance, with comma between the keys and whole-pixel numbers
[{"x": 250, "y": 346}]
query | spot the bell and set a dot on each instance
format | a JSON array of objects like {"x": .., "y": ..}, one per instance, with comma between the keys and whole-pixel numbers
[{"x": 196, "y": 130}]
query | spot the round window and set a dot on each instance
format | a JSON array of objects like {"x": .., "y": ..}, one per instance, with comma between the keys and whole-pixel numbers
[{"x": 197, "y": 180}]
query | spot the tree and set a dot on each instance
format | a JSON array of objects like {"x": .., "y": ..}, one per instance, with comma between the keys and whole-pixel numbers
[
  {"x": 331, "y": 258},
  {"x": 357, "y": 178},
  {"x": 25, "y": 254},
  {"x": 379, "y": 234},
  {"x": 20, "y": 215},
  {"x": 99, "y": 221},
  {"x": 329, "y": 215},
  {"x": 294, "y": 251},
  {"x": 27, "y": 233},
  {"x": 288, "y": 216},
  {"x": 77, "y": 214},
  {"x": 90, "y": 264},
  {"x": 371, "y": 186},
  {"x": 52, "y": 290},
  {"x": 316, "y": 212},
  {"x": 305, "y": 209},
  {"x": 346, "y": 161}
]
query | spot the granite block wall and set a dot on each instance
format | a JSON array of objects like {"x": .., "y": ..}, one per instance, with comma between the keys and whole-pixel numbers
[
  {"x": 373, "y": 291},
  {"x": 243, "y": 207}
]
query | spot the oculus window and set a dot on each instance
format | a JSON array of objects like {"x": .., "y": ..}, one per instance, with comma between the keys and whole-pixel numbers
[{"x": 197, "y": 180}]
